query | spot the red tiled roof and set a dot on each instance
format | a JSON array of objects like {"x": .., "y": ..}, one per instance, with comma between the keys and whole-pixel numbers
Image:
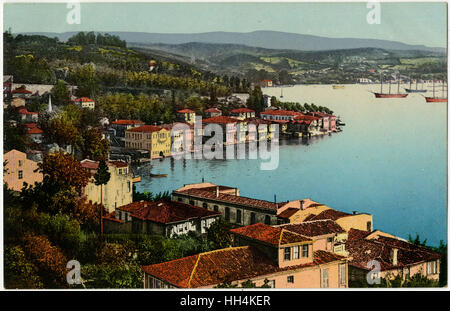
[
  {"x": 362, "y": 251},
  {"x": 271, "y": 235},
  {"x": 282, "y": 112},
  {"x": 35, "y": 130},
  {"x": 127, "y": 122},
  {"x": 112, "y": 217},
  {"x": 242, "y": 110},
  {"x": 118, "y": 163},
  {"x": 306, "y": 117},
  {"x": 83, "y": 100},
  {"x": 146, "y": 129},
  {"x": 225, "y": 265},
  {"x": 213, "y": 110},
  {"x": 356, "y": 234},
  {"x": 327, "y": 214},
  {"x": 265, "y": 80},
  {"x": 288, "y": 212},
  {"x": 25, "y": 111},
  {"x": 186, "y": 111},
  {"x": 229, "y": 198},
  {"x": 165, "y": 211},
  {"x": 314, "y": 228},
  {"x": 220, "y": 120},
  {"x": 93, "y": 165},
  {"x": 21, "y": 90}
]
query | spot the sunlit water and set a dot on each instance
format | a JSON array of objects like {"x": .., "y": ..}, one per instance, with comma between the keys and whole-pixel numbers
[{"x": 390, "y": 161}]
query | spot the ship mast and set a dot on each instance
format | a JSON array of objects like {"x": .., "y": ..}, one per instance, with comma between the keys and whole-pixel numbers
[
  {"x": 398, "y": 85},
  {"x": 381, "y": 83}
]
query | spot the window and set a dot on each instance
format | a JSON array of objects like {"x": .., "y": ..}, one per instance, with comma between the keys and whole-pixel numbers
[
  {"x": 20, "y": 162},
  {"x": 128, "y": 186},
  {"x": 290, "y": 279},
  {"x": 305, "y": 250},
  {"x": 329, "y": 240},
  {"x": 325, "y": 278},
  {"x": 252, "y": 218},
  {"x": 216, "y": 208},
  {"x": 267, "y": 220},
  {"x": 191, "y": 202},
  {"x": 369, "y": 226},
  {"x": 180, "y": 200},
  {"x": 431, "y": 267},
  {"x": 20, "y": 174},
  {"x": 238, "y": 216},
  {"x": 120, "y": 215},
  {"x": 205, "y": 205},
  {"x": 295, "y": 251},
  {"x": 342, "y": 274},
  {"x": 227, "y": 213},
  {"x": 287, "y": 253}
]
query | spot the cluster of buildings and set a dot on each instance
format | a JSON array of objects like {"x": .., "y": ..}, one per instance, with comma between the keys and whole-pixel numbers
[
  {"x": 291, "y": 244},
  {"x": 240, "y": 126}
]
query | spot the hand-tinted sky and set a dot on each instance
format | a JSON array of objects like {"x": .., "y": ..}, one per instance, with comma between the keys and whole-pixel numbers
[{"x": 412, "y": 23}]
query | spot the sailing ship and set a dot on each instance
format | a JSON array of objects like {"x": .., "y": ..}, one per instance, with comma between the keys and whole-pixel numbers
[
  {"x": 416, "y": 90},
  {"x": 281, "y": 96},
  {"x": 389, "y": 95},
  {"x": 435, "y": 99}
]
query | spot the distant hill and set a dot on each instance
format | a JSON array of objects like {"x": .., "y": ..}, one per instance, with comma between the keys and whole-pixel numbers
[{"x": 262, "y": 39}]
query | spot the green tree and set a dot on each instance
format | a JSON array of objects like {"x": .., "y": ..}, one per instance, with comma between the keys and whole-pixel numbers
[
  {"x": 19, "y": 272},
  {"x": 102, "y": 177},
  {"x": 60, "y": 93},
  {"x": 219, "y": 234}
]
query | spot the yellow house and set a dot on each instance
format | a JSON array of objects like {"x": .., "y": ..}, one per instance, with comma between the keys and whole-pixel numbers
[
  {"x": 119, "y": 189},
  {"x": 155, "y": 139}
]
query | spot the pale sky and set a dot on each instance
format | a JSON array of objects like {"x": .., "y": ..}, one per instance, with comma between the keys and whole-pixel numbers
[{"x": 407, "y": 22}]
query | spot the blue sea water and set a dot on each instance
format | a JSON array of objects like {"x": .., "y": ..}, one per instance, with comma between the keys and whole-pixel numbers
[{"x": 390, "y": 161}]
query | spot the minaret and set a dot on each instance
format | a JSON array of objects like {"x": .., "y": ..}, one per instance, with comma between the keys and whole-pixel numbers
[{"x": 50, "y": 109}]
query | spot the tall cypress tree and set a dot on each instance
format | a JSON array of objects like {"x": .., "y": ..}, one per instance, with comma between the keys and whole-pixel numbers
[{"x": 102, "y": 177}]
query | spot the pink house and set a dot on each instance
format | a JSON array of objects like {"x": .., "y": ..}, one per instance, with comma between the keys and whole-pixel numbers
[{"x": 19, "y": 170}]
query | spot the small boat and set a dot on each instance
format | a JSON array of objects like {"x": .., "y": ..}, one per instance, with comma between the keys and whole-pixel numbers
[
  {"x": 158, "y": 175},
  {"x": 338, "y": 87}
]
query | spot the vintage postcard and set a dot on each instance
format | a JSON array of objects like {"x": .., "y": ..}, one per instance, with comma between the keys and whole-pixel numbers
[{"x": 212, "y": 145}]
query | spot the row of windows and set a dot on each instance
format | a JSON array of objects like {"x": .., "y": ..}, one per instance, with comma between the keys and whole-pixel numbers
[
  {"x": 291, "y": 253},
  {"x": 238, "y": 213}
]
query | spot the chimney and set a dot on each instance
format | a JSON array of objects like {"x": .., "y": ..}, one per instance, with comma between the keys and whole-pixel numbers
[
  {"x": 235, "y": 192},
  {"x": 203, "y": 179},
  {"x": 275, "y": 198},
  {"x": 301, "y": 205},
  {"x": 217, "y": 191},
  {"x": 394, "y": 256}
]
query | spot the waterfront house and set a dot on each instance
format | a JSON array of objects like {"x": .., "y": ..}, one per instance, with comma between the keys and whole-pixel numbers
[
  {"x": 84, "y": 102},
  {"x": 116, "y": 131},
  {"x": 304, "y": 126},
  {"x": 119, "y": 189},
  {"x": 186, "y": 115},
  {"x": 257, "y": 129},
  {"x": 182, "y": 137},
  {"x": 324, "y": 120},
  {"x": 229, "y": 127},
  {"x": 213, "y": 112},
  {"x": 279, "y": 114},
  {"x": 19, "y": 170},
  {"x": 163, "y": 217},
  {"x": 283, "y": 258},
  {"x": 242, "y": 113},
  {"x": 394, "y": 255},
  {"x": 155, "y": 139}
]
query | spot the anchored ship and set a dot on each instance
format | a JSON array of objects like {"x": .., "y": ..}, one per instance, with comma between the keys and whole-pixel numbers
[
  {"x": 435, "y": 99},
  {"x": 389, "y": 95}
]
